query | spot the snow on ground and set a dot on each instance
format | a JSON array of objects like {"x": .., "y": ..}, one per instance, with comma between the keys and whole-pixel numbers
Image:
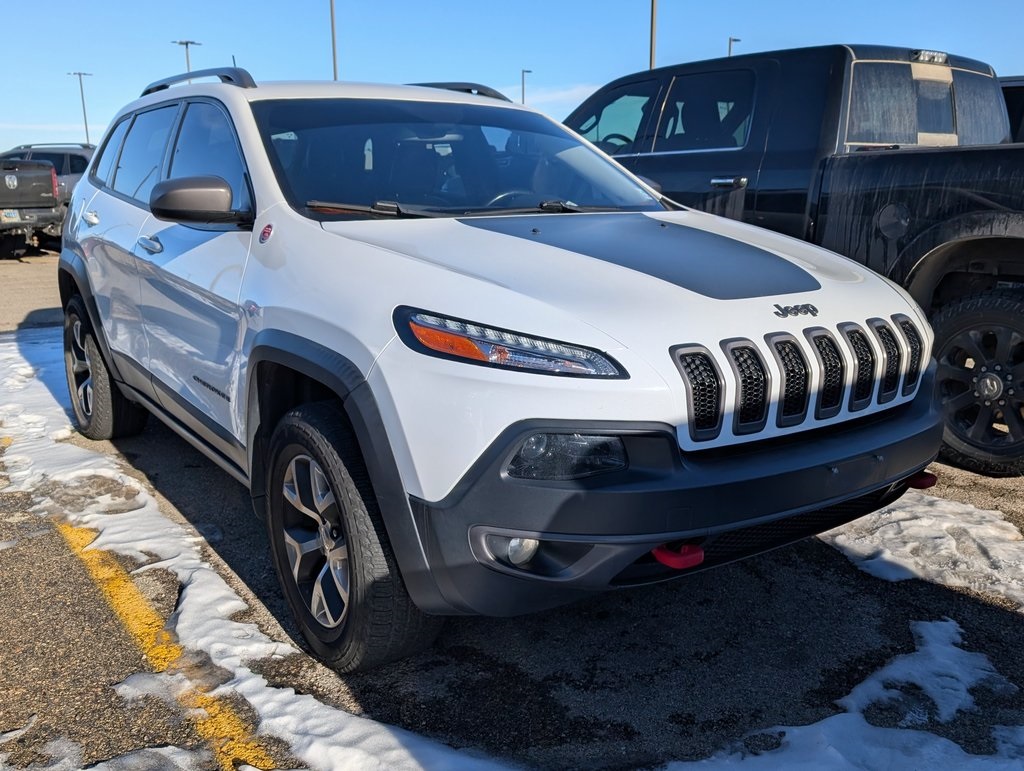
[{"x": 920, "y": 536}]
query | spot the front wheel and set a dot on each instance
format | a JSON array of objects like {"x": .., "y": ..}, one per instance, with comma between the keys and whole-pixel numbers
[
  {"x": 330, "y": 548},
  {"x": 980, "y": 351}
]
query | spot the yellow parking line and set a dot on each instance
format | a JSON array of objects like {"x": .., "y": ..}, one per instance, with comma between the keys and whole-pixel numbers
[{"x": 215, "y": 719}]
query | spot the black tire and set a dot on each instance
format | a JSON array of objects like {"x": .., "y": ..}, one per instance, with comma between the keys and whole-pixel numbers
[
  {"x": 101, "y": 410},
  {"x": 330, "y": 523},
  {"x": 980, "y": 350}
]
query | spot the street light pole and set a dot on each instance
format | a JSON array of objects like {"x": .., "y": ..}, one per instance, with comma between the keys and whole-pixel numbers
[
  {"x": 187, "y": 43},
  {"x": 731, "y": 41},
  {"x": 522, "y": 94},
  {"x": 654, "y": 24},
  {"x": 334, "y": 42},
  {"x": 81, "y": 91}
]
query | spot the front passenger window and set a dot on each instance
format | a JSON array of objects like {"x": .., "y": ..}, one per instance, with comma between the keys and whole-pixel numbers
[
  {"x": 138, "y": 169},
  {"x": 206, "y": 147}
]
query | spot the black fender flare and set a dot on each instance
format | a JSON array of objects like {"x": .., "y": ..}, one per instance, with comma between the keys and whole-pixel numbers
[
  {"x": 72, "y": 266},
  {"x": 944, "y": 248},
  {"x": 344, "y": 379}
]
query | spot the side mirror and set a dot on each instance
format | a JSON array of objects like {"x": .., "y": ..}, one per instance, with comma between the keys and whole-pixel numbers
[
  {"x": 199, "y": 200},
  {"x": 651, "y": 183}
]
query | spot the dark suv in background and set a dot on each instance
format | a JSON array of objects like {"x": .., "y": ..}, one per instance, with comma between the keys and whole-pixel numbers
[{"x": 68, "y": 159}]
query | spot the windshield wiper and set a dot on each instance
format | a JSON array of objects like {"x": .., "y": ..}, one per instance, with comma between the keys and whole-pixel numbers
[
  {"x": 544, "y": 207},
  {"x": 379, "y": 208}
]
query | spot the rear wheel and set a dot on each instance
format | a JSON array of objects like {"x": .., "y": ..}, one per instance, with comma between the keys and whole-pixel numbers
[
  {"x": 101, "y": 410},
  {"x": 331, "y": 550},
  {"x": 980, "y": 350}
]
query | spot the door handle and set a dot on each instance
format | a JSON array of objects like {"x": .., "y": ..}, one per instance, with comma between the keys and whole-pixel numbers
[
  {"x": 91, "y": 218},
  {"x": 151, "y": 244},
  {"x": 737, "y": 182}
]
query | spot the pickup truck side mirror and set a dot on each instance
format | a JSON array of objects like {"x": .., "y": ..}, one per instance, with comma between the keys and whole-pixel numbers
[
  {"x": 200, "y": 200},
  {"x": 650, "y": 183}
]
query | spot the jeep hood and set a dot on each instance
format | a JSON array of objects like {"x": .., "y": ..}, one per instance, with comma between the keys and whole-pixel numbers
[{"x": 689, "y": 274}]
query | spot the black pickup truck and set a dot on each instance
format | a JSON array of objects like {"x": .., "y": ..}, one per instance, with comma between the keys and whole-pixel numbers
[
  {"x": 28, "y": 202},
  {"x": 896, "y": 158}
]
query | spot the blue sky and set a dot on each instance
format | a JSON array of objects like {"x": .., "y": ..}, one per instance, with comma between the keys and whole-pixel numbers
[{"x": 572, "y": 47}]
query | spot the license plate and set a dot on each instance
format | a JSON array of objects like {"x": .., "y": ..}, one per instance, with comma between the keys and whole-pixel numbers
[{"x": 9, "y": 215}]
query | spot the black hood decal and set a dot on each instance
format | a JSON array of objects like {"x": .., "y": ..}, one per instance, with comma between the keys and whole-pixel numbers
[{"x": 706, "y": 263}]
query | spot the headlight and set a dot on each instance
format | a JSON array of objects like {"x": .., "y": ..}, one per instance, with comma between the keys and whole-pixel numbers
[{"x": 473, "y": 343}]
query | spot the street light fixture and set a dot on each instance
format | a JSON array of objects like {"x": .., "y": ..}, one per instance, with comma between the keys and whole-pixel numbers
[
  {"x": 731, "y": 41},
  {"x": 81, "y": 91},
  {"x": 522, "y": 94},
  {"x": 186, "y": 43}
]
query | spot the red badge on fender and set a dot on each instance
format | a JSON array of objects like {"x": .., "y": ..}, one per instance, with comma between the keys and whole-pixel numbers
[{"x": 265, "y": 233}]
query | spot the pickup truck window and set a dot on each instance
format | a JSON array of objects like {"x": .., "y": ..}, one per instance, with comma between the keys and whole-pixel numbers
[
  {"x": 138, "y": 169},
  {"x": 108, "y": 153},
  {"x": 614, "y": 122},
  {"x": 892, "y": 103},
  {"x": 709, "y": 111}
]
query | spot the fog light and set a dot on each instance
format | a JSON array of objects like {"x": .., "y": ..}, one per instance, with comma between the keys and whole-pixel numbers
[
  {"x": 567, "y": 456},
  {"x": 521, "y": 550}
]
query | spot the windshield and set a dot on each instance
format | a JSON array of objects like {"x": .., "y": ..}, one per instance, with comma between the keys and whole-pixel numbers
[{"x": 437, "y": 158}]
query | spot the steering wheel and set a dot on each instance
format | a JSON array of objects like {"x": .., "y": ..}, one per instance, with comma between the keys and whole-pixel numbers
[
  {"x": 614, "y": 142},
  {"x": 507, "y": 194}
]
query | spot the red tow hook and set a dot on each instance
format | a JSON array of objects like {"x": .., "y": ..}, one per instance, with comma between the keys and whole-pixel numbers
[
  {"x": 687, "y": 556},
  {"x": 922, "y": 480}
]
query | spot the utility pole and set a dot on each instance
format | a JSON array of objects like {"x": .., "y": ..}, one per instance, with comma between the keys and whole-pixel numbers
[
  {"x": 186, "y": 43},
  {"x": 81, "y": 91},
  {"x": 334, "y": 42},
  {"x": 654, "y": 25},
  {"x": 731, "y": 41},
  {"x": 522, "y": 93}
]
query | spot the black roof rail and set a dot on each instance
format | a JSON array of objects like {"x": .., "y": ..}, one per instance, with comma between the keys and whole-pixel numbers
[
  {"x": 467, "y": 88},
  {"x": 236, "y": 76},
  {"x": 86, "y": 145}
]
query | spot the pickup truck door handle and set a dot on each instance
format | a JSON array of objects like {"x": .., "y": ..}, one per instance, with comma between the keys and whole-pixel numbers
[
  {"x": 91, "y": 218},
  {"x": 729, "y": 182},
  {"x": 151, "y": 244}
]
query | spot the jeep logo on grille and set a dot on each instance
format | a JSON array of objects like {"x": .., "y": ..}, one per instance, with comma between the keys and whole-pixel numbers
[
  {"x": 11, "y": 181},
  {"x": 782, "y": 311}
]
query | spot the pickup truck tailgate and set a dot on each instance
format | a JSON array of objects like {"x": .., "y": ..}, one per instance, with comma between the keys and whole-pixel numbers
[{"x": 26, "y": 184}]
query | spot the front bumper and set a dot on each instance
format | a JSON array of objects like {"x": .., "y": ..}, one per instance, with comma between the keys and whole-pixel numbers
[{"x": 597, "y": 533}]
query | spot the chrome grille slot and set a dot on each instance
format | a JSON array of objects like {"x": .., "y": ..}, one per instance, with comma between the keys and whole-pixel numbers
[
  {"x": 703, "y": 391},
  {"x": 752, "y": 391},
  {"x": 796, "y": 382},
  {"x": 833, "y": 375},
  {"x": 916, "y": 346},
  {"x": 864, "y": 374},
  {"x": 891, "y": 363}
]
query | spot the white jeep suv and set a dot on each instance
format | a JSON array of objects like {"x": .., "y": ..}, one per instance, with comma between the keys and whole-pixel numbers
[{"x": 466, "y": 363}]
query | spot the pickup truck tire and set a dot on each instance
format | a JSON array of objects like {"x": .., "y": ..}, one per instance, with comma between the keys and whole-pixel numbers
[
  {"x": 101, "y": 410},
  {"x": 331, "y": 550},
  {"x": 980, "y": 350}
]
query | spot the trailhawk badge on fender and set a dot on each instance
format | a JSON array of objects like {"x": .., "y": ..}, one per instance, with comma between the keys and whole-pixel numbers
[{"x": 782, "y": 311}]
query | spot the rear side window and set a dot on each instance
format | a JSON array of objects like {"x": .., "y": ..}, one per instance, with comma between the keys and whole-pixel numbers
[
  {"x": 206, "y": 146},
  {"x": 614, "y": 120},
  {"x": 138, "y": 169},
  {"x": 707, "y": 111},
  {"x": 77, "y": 164},
  {"x": 108, "y": 153}
]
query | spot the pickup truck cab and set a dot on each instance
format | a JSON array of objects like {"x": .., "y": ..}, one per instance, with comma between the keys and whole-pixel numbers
[{"x": 893, "y": 157}]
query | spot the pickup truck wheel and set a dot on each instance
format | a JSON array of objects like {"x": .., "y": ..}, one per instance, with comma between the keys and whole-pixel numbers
[
  {"x": 331, "y": 550},
  {"x": 101, "y": 410},
  {"x": 980, "y": 351}
]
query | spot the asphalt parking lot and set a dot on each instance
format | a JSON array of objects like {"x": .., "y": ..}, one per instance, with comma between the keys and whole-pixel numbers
[{"x": 633, "y": 679}]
